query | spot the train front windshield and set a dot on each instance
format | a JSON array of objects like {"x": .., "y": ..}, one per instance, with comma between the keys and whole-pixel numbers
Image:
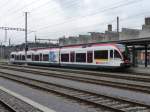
[{"x": 124, "y": 50}]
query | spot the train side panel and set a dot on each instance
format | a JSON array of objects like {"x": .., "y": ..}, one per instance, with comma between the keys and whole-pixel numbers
[{"x": 95, "y": 56}]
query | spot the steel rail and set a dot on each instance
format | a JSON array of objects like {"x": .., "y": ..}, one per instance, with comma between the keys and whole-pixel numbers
[
  {"x": 8, "y": 106},
  {"x": 133, "y": 87},
  {"x": 108, "y": 102},
  {"x": 128, "y": 76}
]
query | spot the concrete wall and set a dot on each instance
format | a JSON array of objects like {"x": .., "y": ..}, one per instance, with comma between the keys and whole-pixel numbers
[
  {"x": 93, "y": 37},
  {"x": 109, "y": 35},
  {"x": 129, "y": 34}
]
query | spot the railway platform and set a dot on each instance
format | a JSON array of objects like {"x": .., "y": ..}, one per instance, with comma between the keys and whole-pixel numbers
[
  {"x": 19, "y": 103},
  {"x": 42, "y": 100}
]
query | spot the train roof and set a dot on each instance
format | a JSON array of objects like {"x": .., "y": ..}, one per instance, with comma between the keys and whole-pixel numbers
[
  {"x": 36, "y": 49},
  {"x": 89, "y": 45},
  {"x": 64, "y": 47}
]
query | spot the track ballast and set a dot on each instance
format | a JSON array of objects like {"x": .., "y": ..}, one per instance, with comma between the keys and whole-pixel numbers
[{"x": 97, "y": 100}]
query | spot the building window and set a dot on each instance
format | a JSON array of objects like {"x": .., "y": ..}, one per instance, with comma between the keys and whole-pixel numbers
[
  {"x": 45, "y": 57},
  {"x": 101, "y": 54},
  {"x": 72, "y": 56},
  {"x": 80, "y": 57},
  {"x": 64, "y": 57}
]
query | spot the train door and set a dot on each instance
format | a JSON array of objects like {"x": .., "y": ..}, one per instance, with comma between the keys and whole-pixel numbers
[
  {"x": 111, "y": 57},
  {"x": 89, "y": 56},
  {"x": 33, "y": 57}
]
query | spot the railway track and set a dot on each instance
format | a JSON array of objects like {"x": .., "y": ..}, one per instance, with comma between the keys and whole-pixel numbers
[
  {"x": 9, "y": 103},
  {"x": 5, "y": 108},
  {"x": 90, "y": 98},
  {"x": 116, "y": 82},
  {"x": 129, "y": 76},
  {"x": 82, "y": 71}
]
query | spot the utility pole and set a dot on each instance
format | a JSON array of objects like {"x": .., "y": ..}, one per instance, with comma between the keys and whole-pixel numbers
[
  {"x": 118, "y": 26},
  {"x": 35, "y": 38},
  {"x": 9, "y": 41},
  {"x": 5, "y": 35},
  {"x": 26, "y": 31},
  {"x": 1, "y": 50},
  {"x": 35, "y": 41},
  {"x": 9, "y": 50}
]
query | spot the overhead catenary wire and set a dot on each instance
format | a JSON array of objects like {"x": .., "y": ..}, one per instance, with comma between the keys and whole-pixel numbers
[
  {"x": 69, "y": 18},
  {"x": 76, "y": 18},
  {"x": 43, "y": 4},
  {"x": 56, "y": 32},
  {"x": 104, "y": 23},
  {"x": 4, "y": 4},
  {"x": 68, "y": 6},
  {"x": 21, "y": 20},
  {"x": 19, "y": 10},
  {"x": 84, "y": 16},
  {"x": 36, "y": 7},
  {"x": 83, "y": 27},
  {"x": 25, "y": 6},
  {"x": 16, "y": 12}
]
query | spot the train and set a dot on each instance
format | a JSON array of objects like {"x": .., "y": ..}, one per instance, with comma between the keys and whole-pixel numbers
[{"x": 104, "y": 55}]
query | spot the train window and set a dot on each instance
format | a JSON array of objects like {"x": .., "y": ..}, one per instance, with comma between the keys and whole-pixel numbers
[
  {"x": 17, "y": 57},
  {"x": 64, "y": 57},
  {"x": 45, "y": 57},
  {"x": 28, "y": 56},
  {"x": 33, "y": 57},
  {"x": 23, "y": 57},
  {"x": 103, "y": 54},
  {"x": 90, "y": 56},
  {"x": 20, "y": 57},
  {"x": 12, "y": 56},
  {"x": 40, "y": 57},
  {"x": 80, "y": 57},
  {"x": 116, "y": 54},
  {"x": 111, "y": 53},
  {"x": 36, "y": 57},
  {"x": 72, "y": 56}
]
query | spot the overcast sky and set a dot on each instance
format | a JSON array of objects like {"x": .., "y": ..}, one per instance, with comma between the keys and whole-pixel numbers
[{"x": 56, "y": 18}]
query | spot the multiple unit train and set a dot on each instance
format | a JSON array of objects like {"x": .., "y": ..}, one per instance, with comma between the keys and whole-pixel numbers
[{"x": 89, "y": 56}]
